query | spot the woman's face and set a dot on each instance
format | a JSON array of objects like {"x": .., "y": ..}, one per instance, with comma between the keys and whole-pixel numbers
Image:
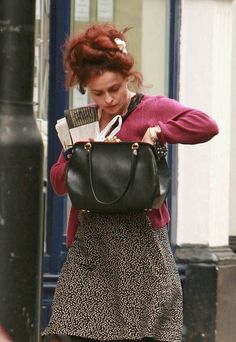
[{"x": 109, "y": 91}]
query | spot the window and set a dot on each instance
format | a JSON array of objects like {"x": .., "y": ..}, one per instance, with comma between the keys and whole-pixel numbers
[{"x": 148, "y": 40}]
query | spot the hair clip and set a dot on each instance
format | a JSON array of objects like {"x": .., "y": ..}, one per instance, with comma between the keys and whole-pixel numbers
[{"x": 121, "y": 44}]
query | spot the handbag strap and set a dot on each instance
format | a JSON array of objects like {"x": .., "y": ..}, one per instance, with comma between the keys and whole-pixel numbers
[
  {"x": 134, "y": 154},
  {"x": 111, "y": 129},
  {"x": 135, "y": 101}
]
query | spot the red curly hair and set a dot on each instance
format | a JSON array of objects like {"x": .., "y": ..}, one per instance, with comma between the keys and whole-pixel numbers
[{"x": 93, "y": 52}]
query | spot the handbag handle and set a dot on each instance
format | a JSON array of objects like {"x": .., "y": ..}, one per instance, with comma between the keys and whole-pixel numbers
[{"x": 134, "y": 151}]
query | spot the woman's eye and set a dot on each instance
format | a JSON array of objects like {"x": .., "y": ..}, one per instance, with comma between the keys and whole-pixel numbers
[{"x": 115, "y": 89}]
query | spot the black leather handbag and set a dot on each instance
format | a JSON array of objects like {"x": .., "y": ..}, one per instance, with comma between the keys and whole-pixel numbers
[{"x": 117, "y": 177}]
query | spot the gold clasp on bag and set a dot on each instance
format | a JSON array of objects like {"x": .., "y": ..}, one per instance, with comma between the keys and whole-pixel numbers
[
  {"x": 112, "y": 140},
  {"x": 135, "y": 147},
  {"x": 88, "y": 146}
]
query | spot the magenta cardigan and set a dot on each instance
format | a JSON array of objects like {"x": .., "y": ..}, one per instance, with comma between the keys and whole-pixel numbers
[{"x": 178, "y": 123}]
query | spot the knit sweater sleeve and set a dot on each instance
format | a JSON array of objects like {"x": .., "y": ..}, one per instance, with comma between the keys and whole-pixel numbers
[
  {"x": 182, "y": 124},
  {"x": 57, "y": 175}
]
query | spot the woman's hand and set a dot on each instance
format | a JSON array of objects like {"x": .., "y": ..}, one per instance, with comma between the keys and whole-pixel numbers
[{"x": 151, "y": 135}]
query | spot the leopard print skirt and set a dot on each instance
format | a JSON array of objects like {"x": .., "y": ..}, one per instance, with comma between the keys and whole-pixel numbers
[{"x": 119, "y": 282}]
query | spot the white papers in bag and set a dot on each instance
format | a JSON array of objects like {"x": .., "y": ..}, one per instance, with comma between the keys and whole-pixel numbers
[
  {"x": 63, "y": 133},
  {"x": 84, "y": 127},
  {"x": 85, "y": 132}
]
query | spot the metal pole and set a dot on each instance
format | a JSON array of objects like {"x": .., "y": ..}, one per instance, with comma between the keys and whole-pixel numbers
[{"x": 21, "y": 159}]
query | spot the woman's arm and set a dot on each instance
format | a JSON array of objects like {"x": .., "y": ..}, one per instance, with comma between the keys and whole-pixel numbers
[
  {"x": 192, "y": 127},
  {"x": 181, "y": 124},
  {"x": 57, "y": 175}
]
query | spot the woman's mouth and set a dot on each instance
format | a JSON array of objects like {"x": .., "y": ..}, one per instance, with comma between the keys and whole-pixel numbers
[{"x": 111, "y": 108}]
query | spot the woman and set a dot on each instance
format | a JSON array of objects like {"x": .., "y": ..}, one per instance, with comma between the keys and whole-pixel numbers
[{"x": 119, "y": 281}]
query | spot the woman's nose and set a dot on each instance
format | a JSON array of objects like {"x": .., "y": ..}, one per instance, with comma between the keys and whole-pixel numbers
[{"x": 108, "y": 98}]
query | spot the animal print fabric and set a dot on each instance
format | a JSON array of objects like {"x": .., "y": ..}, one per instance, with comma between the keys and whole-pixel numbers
[{"x": 119, "y": 282}]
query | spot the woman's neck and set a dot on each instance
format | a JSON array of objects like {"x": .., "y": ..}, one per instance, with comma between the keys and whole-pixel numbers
[{"x": 105, "y": 118}]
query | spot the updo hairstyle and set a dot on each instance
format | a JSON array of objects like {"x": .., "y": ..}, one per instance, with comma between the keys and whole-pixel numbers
[{"x": 95, "y": 51}]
